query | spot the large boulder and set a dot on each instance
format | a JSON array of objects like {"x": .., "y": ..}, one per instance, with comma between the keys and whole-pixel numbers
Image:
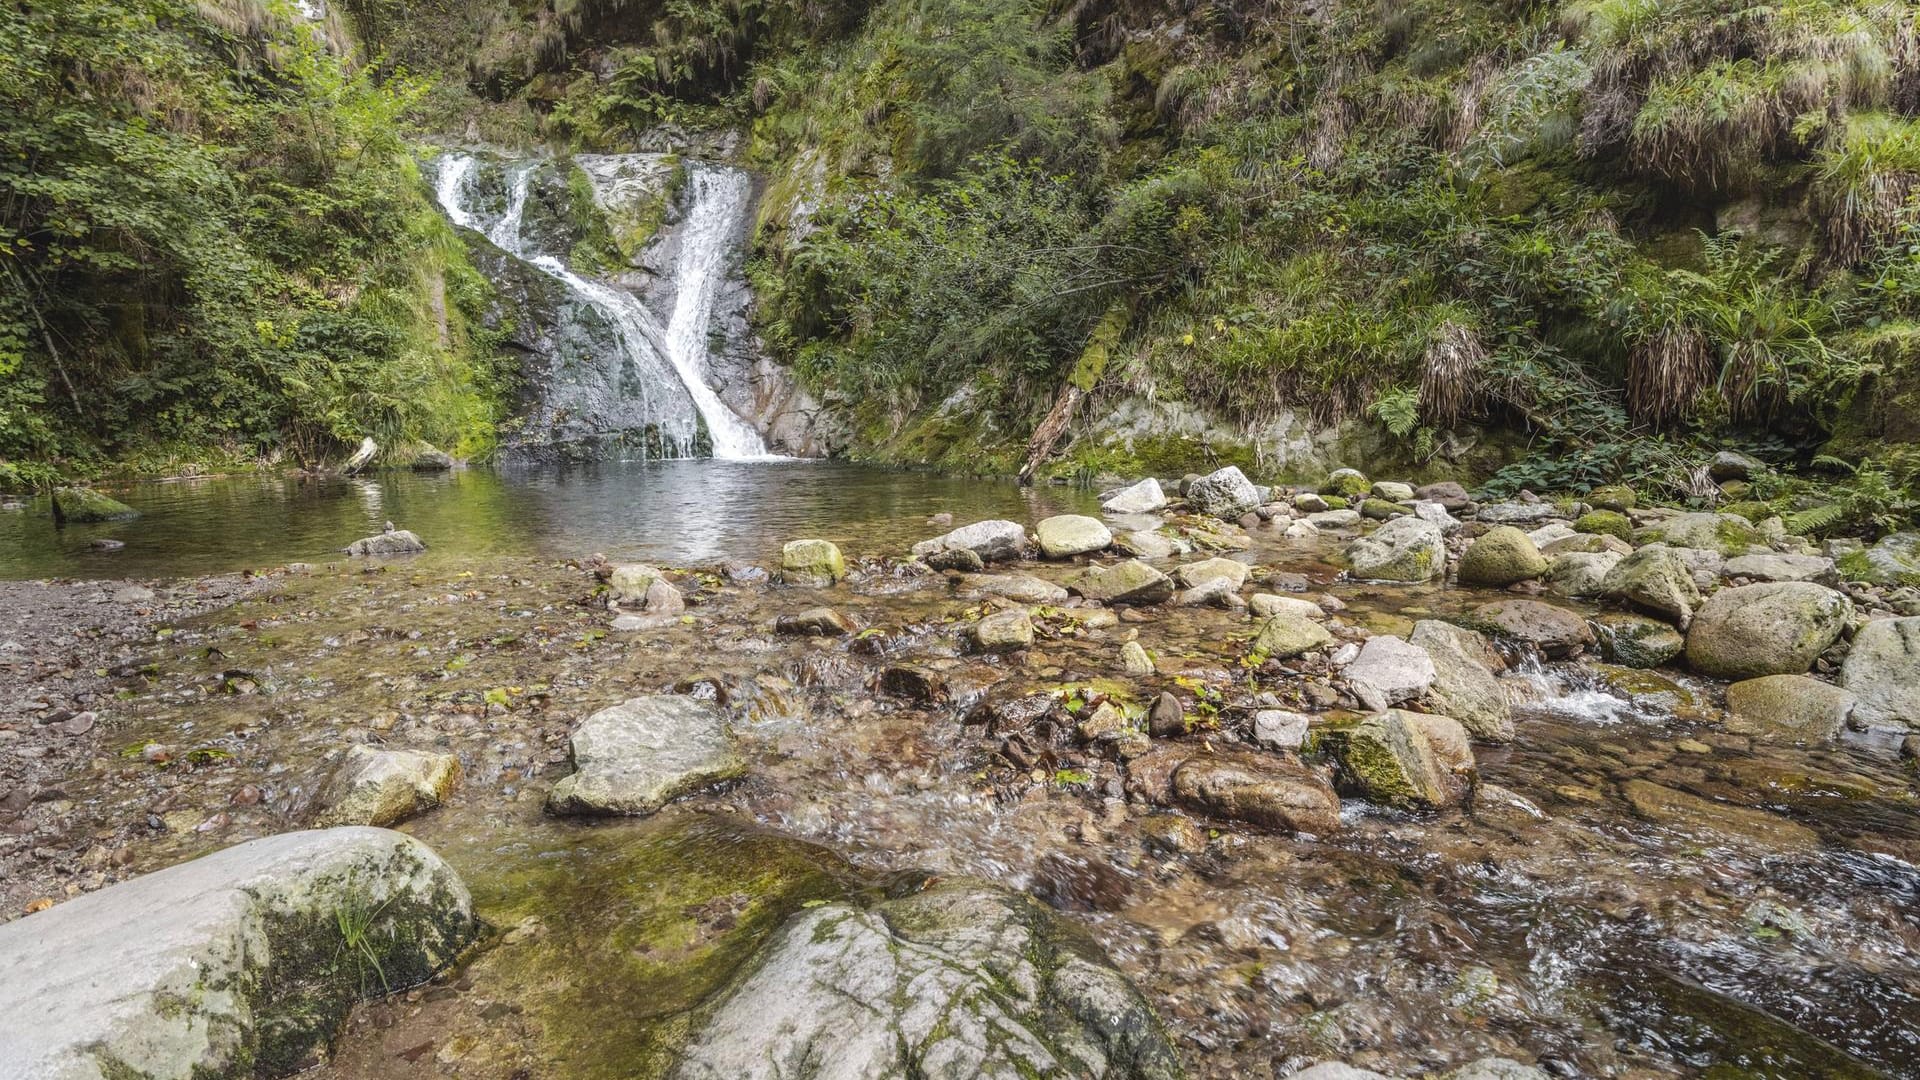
[
  {"x": 960, "y": 980},
  {"x": 242, "y": 963},
  {"x": 1883, "y": 671},
  {"x": 1283, "y": 637},
  {"x": 1065, "y": 535},
  {"x": 1261, "y": 789},
  {"x": 813, "y": 564},
  {"x": 1554, "y": 630},
  {"x": 990, "y": 541},
  {"x": 1515, "y": 513},
  {"x": 1580, "y": 573},
  {"x": 1130, "y": 582},
  {"x": 1894, "y": 560},
  {"x": 1774, "y": 628},
  {"x": 85, "y": 506},
  {"x": 1638, "y": 641},
  {"x": 635, "y": 757},
  {"x": 383, "y": 787},
  {"x": 1388, "y": 671},
  {"x": 1654, "y": 579},
  {"x": 393, "y": 542},
  {"x": 1772, "y": 566},
  {"x": 1464, "y": 684},
  {"x": 1144, "y": 497},
  {"x": 1404, "y": 549},
  {"x": 1500, "y": 557},
  {"x": 1225, "y": 493},
  {"x": 1403, "y": 759},
  {"x": 1727, "y": 534},
  {"x": 1788, "y": 708}
]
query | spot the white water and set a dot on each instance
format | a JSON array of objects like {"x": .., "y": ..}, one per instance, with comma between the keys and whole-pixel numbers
[{"x": 715, "y": 217}]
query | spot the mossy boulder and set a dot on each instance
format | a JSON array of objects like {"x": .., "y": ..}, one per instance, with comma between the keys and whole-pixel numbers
[
  {"x": 1405, "y": 549},
  {"x": 1402, "y": 759},
  {"x": 1656, "y": 580},
  {"x": 1283, "y": 637},
  {"x": 1788, "y": 708},
  {"x": 85, "y": 506},
  {"x": 1774, "y": 628},
  {"x": 1894, "y": 560},
  {"x": 1726, "y": 534},
  {"x": 1580, "y": 573},
  {"x": 1382, "y": 510},
  {"x": 1130, "y": 582},
  {"x": 1605, "y": 523},
  {"x": 1637, "y": 641},
  {"x": 1500, "y": 557},
  {"x": 1004, "y": 630},
  {"x": 1464, "y": 684},
  {"x": 1883, "y": 671},
  {"x": 1348, "y": 484},
  {"x": 1615, "y": 497},
  {"x": 811, "y": 563}
]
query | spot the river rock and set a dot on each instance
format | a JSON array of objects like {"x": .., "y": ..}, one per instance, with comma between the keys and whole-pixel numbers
[
  {"x": 1580, "y": 574},
  {"x": 627, "y": 583},
  {"x": 1283, "y": 637},
  {"x": 85, "y": 506},
  {"x": 1693, "y": 814},
  {"x": 1788, "y": 708},
  {"x": 1404, "y": 549},
  {"x": 1065, "y": 535},
  {"x": 1225, "y": 493},
  {"x": 1637, "y": 641},
  {"x": 431, "y": 460},
  {"x": 1403, "y": 759},
  {"x": 635, "y": 757},
  {"x": 1392, "y": 491},
  {"x": 814, "y": 622},
  {"x": 1004, "y": 630},
  {"x": 811, "y": 564},
  {"x": 1195, "y": 574},
  {"x": 1438, "y": 515},
  {"x": 1135, "y": 661},
  {"x": 228, "y": 965},
  {"x": 1389, "y": 671},
  {"x": 1500, "y": 557},
  {"x": 1605, "y": 523},
  {"x": 992, "y": 541},
  {"x": 383, "y": 787},
  {"x": 1734, "y": 465},
  {"x": 1515, "y": 513},
  {"x": 1130, "y": 582},
  {"x": 1656, "y": 580},
  {"x": 1267, "y": 605},
  {"x": 1447, "y": 493},
  {"x": 1267, "y": 790},
  {"x": 1279, "y": 729},
  {"x": 1144, "y": 497},
  {"x": 1555, "y": 631},
  {"x": 1349, "y": 484},
  {"x": 1776, "y": 628},
  {"x": 1212, "y": 592},
  {"x": 962, "y": 979},
  {"x": 1020, "y": 588},
  {"x": 397, "y": 542},
  {"x": 1727, "y": 534},
  {"x": 1332, "y": 519},
  {"x": 1309, "y": 502},
  {"x": 1883, "y": 671},
  {"x": 1894, "y": 560},
  {"x": 1145, "y": 544},
  {"x": 1586, "y": 544},
  {"x": 1770, "y": 566},
  {"x": 1464, "y": 684}
]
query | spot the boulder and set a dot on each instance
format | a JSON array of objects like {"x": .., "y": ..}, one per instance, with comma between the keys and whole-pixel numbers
[
  {"x": 1382, "y": 510},
  {"x": 1500, "y": 557},
  {"x": 1003, "y": 630},
  {"x": 1284, "y": 637},
  {"x": 1586, "y": 544},
  {"x": 1449, "y": 494},
  {"x": 1515, "y": 513},
  {"x": 1579, "y": 574},
  {"x": 1464, "y": 684},
  {"x": 431, "y": 460},
  {"x": 1225, "y": 493},
  {"x": 229, "y": 965},
  {"x": 1389, "y": 671},
  {"x": 1789, "y": 708},
  {"x": 813, "y": 564},
  {"x": 814, "y": 622},
  {"x": 1616, "y": 497},
  {"x": 1267, "y": 605},
  {"x": 1144, "y": 497},
  {"x": 1211, "y": 592},
  {"x": 1144, "y": 544},
  {"x": 1020, "y": 588},
  {"x": 1130, "y": 582},
  {"x": 1734, "y": 465},
  {"x": 1771, "y": 566},
  {"x": 1438, "y": 514},
  {"x": 1894, "y": 560},
  {"x": 1637, "y": 641},
  {"x": 1883, "y": 671},
  {"x": 1347, "y": 484},
  {"x": 1279, "y": 729},
  {"x": 1309, "y": 502},
  {"x": 1555, "y": 631},
  {"x": 384, "y": 787},
  {"x": 1775, "y": 628},
  {"x": 645, "y": 588},
  {"x": 1656, "y": 580},
  {"x": 1404, "y": 549},
  {"x": 1260, "y": 789},
  {"x": 1403, "y": 759},
  {"x": 1727, "y": 534},
  {"x": 991, "y": 541},
  {"x": 1605, "y": 523},
  {"x": 1065, "y": 535},
  {"x": 961, "y": 979},
  {"x": 635, "y": 757},
  {"x": 396, "y": 542},
  {"x": 1332, "y": 519},
  {"x": 1195, "y": 574},
  {"x": 84, "y": 506},
  {"x": 1392, "y": 491}
]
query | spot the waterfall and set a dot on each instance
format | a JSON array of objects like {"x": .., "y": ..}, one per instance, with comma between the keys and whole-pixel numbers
[{"x": 628, "y": 388}]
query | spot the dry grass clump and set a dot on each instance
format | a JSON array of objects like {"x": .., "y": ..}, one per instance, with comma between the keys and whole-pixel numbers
[
  {"x": 1864, "y": 177},
  {"x": 1667, "y": 370},
  {"x": 1450, "y": 377}
]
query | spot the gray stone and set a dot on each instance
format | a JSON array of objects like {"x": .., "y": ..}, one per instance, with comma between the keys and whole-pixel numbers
[
  {"x": 1284, "y": 637},
  {"x": 961, "y": 980},
  {"x": 1144, "y": 497},
  {"x": 1266, "y": 605},
  {"x": 1404, "y": 549},
  {"x": 1464, "y": 684},
  {"x": 1883, "y": 671},
  {"x": 813, "y": 564},
  {"x": 1004, "y": 630},
  {"x": 1335, "y": 1070},
  {"x": 1578, "y": 574},
  {"x": 1438, "y": 515},
  {"x": 1495, "y": 1069},
  {"x": 431, "y": 460},
  {"x": 1332, "y": 519},
  {"x": 1654, "y": 579},
  {"x": 1130, "y": 582},
  {"x": 1515, "y": 513},
  {"x": 384, "y": 787},
  {"x": 635, "y": 757},
  {"x": 1500, "y": 557},
  {"x": 1894, "y": 560},
  {"x": 1145, "y": 544},
  {"x": 1776, "y": 628},
  {"x": 1770, "y": 566},
  {"x": 1727, "y": 534},
  {"x": 1211, "y": 592},
  {"x": 1279, "y": 729},
  {"x": 1021, "y": 588},
  {"x": 627, "y": 583},
  {"x": 1308, "y": 502},
  {"x": 1194, "y": 574},
  {"x": 1267, "y": 790},
  {"x": 180, "y": 973},
  {"x": 1225, "y": 493},
  {"x": 398, "y": 542},
  {"x": 1135, "y": 661},
  {"x": 1388, "y": 671},
  {"x": 1065, "y": 535},
  {"x": 1791, "y": 708},
  {"x": 1733, "y": 465},
  {"x": 1392, "y": 491},
  {"x": 992, "y": 541},
  {"x": 814, "y": 622}
]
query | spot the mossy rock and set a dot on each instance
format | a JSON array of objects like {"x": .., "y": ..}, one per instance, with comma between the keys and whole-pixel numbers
[
  {"x": 1500, "y": 557},
  {"x": 1347, "y": 484},
  {"x": 1606, "y": 523},
  {"x": 1724, "y": 533},
  {"x": 1336, "y": 502},
  {"x": 83, "y": 506},
  {"x": 1382, "y": 510},
  {"x": 1637, "y": 641},
  {"x": 1616, "y": 497}
]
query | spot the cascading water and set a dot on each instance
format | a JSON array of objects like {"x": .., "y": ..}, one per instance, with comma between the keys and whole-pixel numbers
[{"x": 656, "y": 380}]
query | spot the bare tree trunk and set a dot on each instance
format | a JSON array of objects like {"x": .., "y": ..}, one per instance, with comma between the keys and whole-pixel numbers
[{"x": 1047, "y": 435}]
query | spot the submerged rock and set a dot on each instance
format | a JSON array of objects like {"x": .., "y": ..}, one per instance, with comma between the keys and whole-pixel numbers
[
  {"x": 961, "y": 980},
  {"x": 813, "y": 564},
  {"x": 395, "y": 542},
  {"x": 1693, "y": 814},
  {"x": 230, "y": 965},
  {"x": 1021, "y": 588},
  {"x": 635, "y": 757},
  {"x": 1404, "y": 549},
  {"x": 1883, "y": 671},
  {"x": 1464, "y": 684},
  {"x": 1130, "y": 582},
  {"x": 1266, "y": 605},
  {"x": 383, "y": 787},
  {"x": 1144, "y": 497},
  {"x": 814, "y": 622},
  {"x": 1776, "y": 628},
  {"x": 1260, "y": 789},
  {"x": 1403, "y": 759},
  {"x": 991, "y": 541},
  {"x": 1501, "y": 557},
  {"x": 1066, "y": 535},
  {"x": 1225, "y": 493},
  {"x": 1788, "y": 707},
  {"x": 85, "y": 505}
]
